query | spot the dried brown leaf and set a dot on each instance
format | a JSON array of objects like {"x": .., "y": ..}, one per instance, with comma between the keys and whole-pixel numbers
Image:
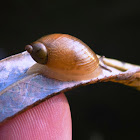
[{"x": 19, "y": 91}]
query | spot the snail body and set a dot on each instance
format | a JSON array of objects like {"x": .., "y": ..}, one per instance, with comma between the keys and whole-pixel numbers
[{"x": 63, "y": 57}]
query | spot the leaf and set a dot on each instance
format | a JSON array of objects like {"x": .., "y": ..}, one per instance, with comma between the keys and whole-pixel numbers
[{"x": 19, "y": 91}]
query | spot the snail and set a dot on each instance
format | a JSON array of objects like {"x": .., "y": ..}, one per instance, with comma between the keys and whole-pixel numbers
[{"x": 63, "y": 57}]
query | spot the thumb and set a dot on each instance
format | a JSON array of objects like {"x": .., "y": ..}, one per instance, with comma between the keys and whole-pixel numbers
[{"x": 49, "y": 120}]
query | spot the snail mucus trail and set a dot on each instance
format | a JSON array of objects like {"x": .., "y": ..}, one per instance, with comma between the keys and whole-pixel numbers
[{"x": 63, "y": 57}]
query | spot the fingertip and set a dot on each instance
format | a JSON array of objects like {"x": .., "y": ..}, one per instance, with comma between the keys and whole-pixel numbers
[{"x": 49, "y": 120}]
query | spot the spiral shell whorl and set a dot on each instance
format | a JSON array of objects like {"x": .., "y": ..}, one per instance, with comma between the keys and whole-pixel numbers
[
  {"x": 68, "y": 58},
  {"x": 68, "y": 53}
]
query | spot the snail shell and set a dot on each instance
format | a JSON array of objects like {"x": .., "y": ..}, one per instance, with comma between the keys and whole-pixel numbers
[{"x": 63, "y": 57}]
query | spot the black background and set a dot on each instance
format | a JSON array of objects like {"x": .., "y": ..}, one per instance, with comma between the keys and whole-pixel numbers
[{"x": 103, "y": 111}]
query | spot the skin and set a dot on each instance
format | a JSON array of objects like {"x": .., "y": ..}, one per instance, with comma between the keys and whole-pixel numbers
[{"x": 49, "y": 120}]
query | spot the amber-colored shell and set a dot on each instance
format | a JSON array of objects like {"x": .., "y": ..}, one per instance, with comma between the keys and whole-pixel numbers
[{"x": 68, "y": 58}]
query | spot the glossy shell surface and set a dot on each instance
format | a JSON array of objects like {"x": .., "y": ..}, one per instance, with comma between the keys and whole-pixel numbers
[{"x": 68, "y": 58}]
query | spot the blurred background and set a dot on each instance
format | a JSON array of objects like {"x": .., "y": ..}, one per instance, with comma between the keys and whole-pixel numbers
[{"x": 103, "y": 111}]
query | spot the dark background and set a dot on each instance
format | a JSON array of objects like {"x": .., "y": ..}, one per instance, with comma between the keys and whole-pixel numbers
[{"x": 103, "y": 111}]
